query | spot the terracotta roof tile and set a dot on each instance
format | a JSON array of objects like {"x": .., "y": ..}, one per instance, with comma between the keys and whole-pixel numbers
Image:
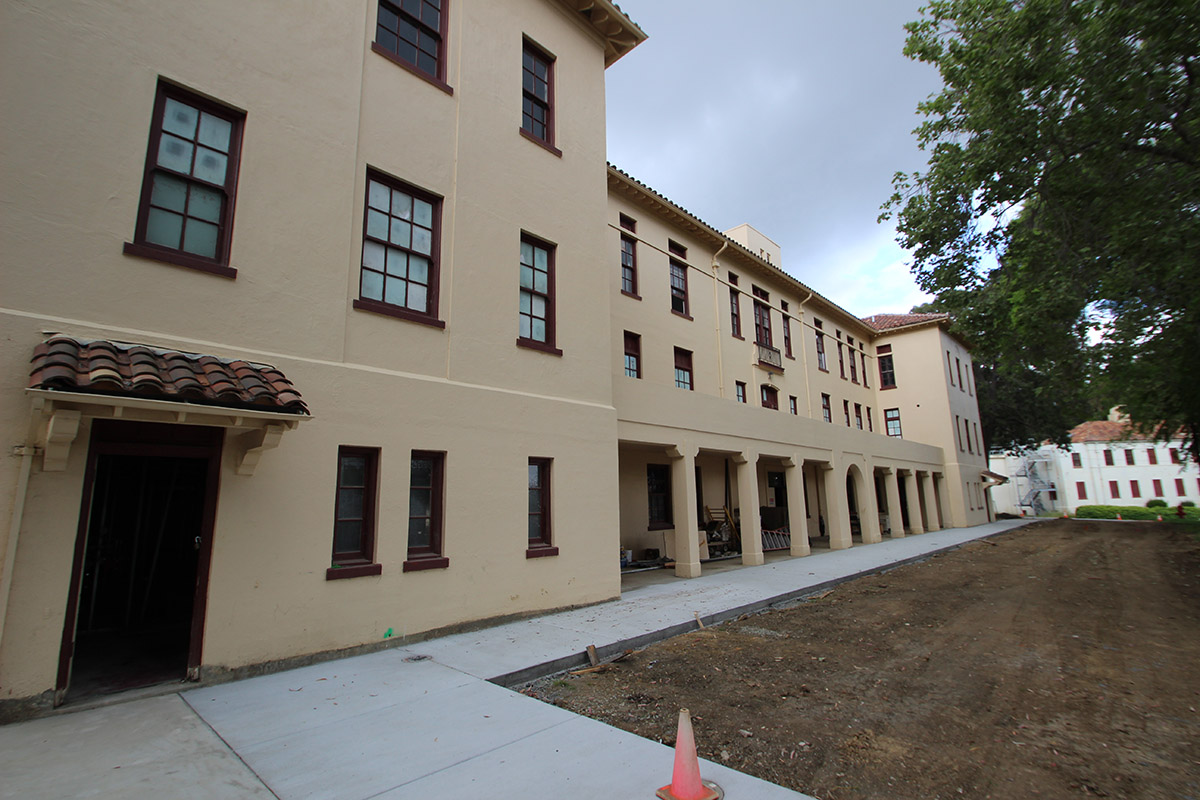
[
  {"x": 1104, "y": 430},
  {"x": 66, "y": 364},
  {"x": 885, "y": 322}
]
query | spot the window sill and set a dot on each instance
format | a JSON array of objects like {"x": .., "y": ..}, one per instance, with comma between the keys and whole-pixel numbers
[
  {"x": 530, "y": 344},
  {"x": 823, "y": 369},
  {"x": 418, "y": 563},
  {"x": 399, "y": 62},
  {"x": 541, "y": 551},
  {"x": 661, "y": 526},
  {"x": 789, "y": 356},
  {"x": 688, "y": 317},
  {"x": 179, "y": 259},
  {"x": 376, "y": 307},
  {"x": 352, "y": 571},
  {"x": 739, "y": 337},
  {"x": 770, "y": 367},
  {"x": 540, "y": 142},
  {"x": 886, "y": 388},
  {"x": 631, "y": 294}
]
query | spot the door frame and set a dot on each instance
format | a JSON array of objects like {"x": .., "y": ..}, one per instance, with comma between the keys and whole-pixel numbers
[{"x": 146, "y": 439}]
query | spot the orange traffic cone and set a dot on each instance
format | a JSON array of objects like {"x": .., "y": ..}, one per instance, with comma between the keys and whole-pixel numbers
[
  {"x": 1022, "y": 512},
  {"x": 685, "y": 780},
  {"x": 1065, "y": 515},
  {"x": 1160, "y": 517},
  {"x": 1119, "y": 515}
]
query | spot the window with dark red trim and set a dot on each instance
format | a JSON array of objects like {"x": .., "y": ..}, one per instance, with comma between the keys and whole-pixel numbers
[
  {"x": 1179, "y": 487},
  {"x": 410, "y": 33},
  {"x": 537, "y": 89},
  {"x": 185, "y": 215},
  {"x": 1114, "y": 489},
  {"x": 1108, "y": 458},
  {"x": 1076, "y": 461},
  {"x": 820, "y": 336},
  {"x": 1134, "y": 489},
  {"x": 629, "y": 265},
  {"x": 792, "y": 405},
  {"x": 846, "y": 411},
  {"x": 787, "y": 337},
  {"x": 887, "y": 369},
  {"x": 735, "y": 311},
  {"x": 762, "y": 323},
  {"x": 1151, "y": 456},
  {"x": 870, "y": 421},
  {"x": 1158, "y": 492},
  {"x": 540, "y": 543},
  {"x": 863, "y": 356},
  {"x": 354, "y": 514},
  {"x": 401, "y": 244},
  {"x": 891, "y": 421},
  {"x": 537, "y": 318},
  {"x": 826, "y": 409},
  {"x": 683, "y": 369},
  {"x": 739, "y": 391},
  {"x": 627, "y": 222},
  {"x": 426, "y": 488},
  {"x": 1081, "y": 490},
  {"x": 1175, "y": 459},
  {"x": 841, "y": 360},
  {"x": 633, "y": 355},
  {"x": 858, "y": 415},
  {"x": 770, "y": 397},
  {"x": 950, "y": 368},
  {"x": 853, "y": 359},
  {"x": 658, "y": 492},
  {"x": 679, "y": 289}
]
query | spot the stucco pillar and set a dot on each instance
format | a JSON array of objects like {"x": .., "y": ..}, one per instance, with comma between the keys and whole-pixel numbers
[
  {"x": 683, "y": 505},
  {"x": 746, "y": 464},
  {"x": 793, "y": 475},
  {"x": 931, "y": 509},
  {"x": 912, "y": 488},
  {"x": 868, "y": 509},
  {"x": 891, "y": 486},
  {"x": 838, "y": 523}
]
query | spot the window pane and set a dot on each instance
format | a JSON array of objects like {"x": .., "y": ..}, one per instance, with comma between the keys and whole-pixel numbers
[
  {"x": 535, "y": 527},
  {"x": 526, "y": 253},
  {"x": 354, "y": 471},
  {"x": 541, "y": 259},
  {"x": 422, "y": 240},
  {"x": 526, "y": 277},
  {"x": 526, "y": 329},
  {"x": 377, "y": 195},
  {"x": 538, "y": 332},
  {"x": 418, "y": 533},
  {"x": 397, "y": 262},
  {"x": 418, "y": 269},
  {"x": 535, "y": 500},
  {"x": 393, "y": 291},
  {"x": 175, "y": 153},
  {"x": 420, "y": 501},
  {"x": 539, "y": 306},
  {"x": 421, "y": 472},
  {"x": 347, "y": 536},
  {"x": 422, "y": 213},
  {"x": 372, "y": 285},
  {"x": 350, "y": 503},
  {"x": 401, "y": 233},
  {"x": 180, "y": 118},
  {"x": 401, "y": 204},
  {"x": 210, "y": 165},
  {"x": 418, "y": 297},
  {"x": 541, "y": 282},
  {"x": 377, "y": 225},
  {"x": 200, "y": 238},
  {"x": 535, "y": 478},
  {"x": 164, "y": 228},
  {"x": 526, "y": 303},
  {"x": 205, "y": 204},
  {"x": 168, "y": 192},
  {"x": 374, "y": 255}
]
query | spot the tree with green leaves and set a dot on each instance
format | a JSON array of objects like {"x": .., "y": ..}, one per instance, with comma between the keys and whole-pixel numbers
[{"x": 1059, "y": 216}]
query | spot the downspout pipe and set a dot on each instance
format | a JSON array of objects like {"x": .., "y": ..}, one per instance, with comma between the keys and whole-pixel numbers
[{"x": 804, "y": 353}]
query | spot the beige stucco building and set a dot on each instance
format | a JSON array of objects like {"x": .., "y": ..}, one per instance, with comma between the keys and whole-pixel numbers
[{"x": 315, "y": 338}]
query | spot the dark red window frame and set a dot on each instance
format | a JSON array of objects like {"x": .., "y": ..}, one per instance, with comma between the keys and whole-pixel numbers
[
  {"x": 787, "y": 337},
  {"x": 891, "y": 422},
  {"x": 537, "y": 96},
  {"x": 416, "y": 42},
  {"x": 858, "y": 415},
  {"x": 633, "y": 355},
  {"x": 822, "y": 361},
  {"x": 1179, "y": 490},
  {"x": 1134, "y": 489},
  {"x": 770, "y": 397},
  {"x": 739, "y": 391},
  {"x": 735, "y": 311},
  {"x": 427, "y": 555},
  {"x": 887, "y": 372},
  {"x": 1158, "y": 492},
  {"x": 161, "y": 182},
  {"x": 679, "y": 289},
  {"x": 792, "y": 405},
  {"x": 529, "y": 286},
  {"x": 846, "y": 411},
  {"x": 841, "y": 360},
  {"x": 1081, "y": 490},
  {"x": 685, "y": 378},
  {"x": 1129, "y": 458},
  {"x": 385, "y": 242},
  {"x": 826, "y": 408},
  {"x": 354, "y": 512},
  {"x": 629, "y": 266},
  {"x": 1151, "y": 456},
  {"x": 1076, "y": 461},
  {"x": 762, "y": 324},
  {"x": 1114, "y": 489},
  {"x": 1108, "y": 458},
  {"x": 540, "y": 523}
]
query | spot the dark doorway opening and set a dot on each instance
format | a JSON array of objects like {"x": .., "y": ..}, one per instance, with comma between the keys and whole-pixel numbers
[{"x": 142, "y": 560}]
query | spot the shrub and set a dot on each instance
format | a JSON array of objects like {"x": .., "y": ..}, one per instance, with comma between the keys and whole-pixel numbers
[
  {"x": 1157, "y": 502},
  {"x": 1188, "y": 504},
  {"x": 1134, "y": 512}
]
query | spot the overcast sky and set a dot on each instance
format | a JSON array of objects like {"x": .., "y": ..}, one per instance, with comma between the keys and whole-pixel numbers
[{"x": 791, "y": 115}]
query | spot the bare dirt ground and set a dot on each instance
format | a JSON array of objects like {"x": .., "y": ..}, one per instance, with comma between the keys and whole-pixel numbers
[{"x": 1061, "y": 660}]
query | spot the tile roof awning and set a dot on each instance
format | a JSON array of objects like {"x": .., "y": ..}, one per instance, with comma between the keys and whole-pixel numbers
[{"x": 99, "y": 367}]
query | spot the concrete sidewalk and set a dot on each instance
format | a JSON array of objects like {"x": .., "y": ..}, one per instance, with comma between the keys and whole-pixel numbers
[{"x": 424, "y": 720}]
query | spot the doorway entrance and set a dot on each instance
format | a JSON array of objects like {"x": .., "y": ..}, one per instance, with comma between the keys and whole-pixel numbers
[{"x": 139, "y": 585}]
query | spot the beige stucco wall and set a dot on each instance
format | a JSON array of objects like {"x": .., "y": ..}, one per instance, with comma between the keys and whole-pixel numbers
[{"x": 320, "y": 109}]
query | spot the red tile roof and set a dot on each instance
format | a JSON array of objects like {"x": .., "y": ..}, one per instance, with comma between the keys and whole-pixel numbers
[
  {"x": 885, "y": 322},
  {"x": 63, "y": 363},
  {"x": 1104, "y": 430}
]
